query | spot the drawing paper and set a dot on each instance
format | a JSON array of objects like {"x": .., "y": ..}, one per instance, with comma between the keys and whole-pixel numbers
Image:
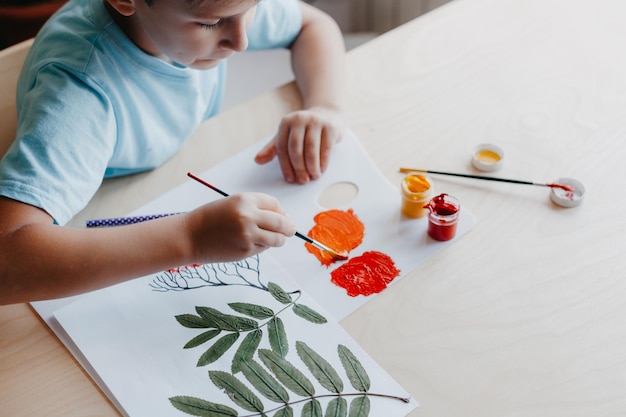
[{"x": 128, "y": 339}]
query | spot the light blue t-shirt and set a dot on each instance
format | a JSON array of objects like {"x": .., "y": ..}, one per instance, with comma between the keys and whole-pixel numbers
[{"x": 92, "y": 105}]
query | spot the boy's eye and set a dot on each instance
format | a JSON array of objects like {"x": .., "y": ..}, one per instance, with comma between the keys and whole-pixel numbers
[{"x": 213, "y": 25}]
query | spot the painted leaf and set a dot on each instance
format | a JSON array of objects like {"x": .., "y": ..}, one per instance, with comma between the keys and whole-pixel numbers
[
  {"x": 278, "y": 293},
  {"x": 309, "y": 314},
  {"x": 245, "y": 324},
  {"x": 360, "y": 407},
  {"x": 246, "y": 350},
  {"x": 312, "y": 408},
  {"x": 237, "y": 391},
  {"x": 278, "y": 336},
  {"x": 216, "y": 351},
  {"x": 264, "y": 383},
  {"x": 337, "y": 407},
  {"x": 202, "y": 338},
  {"x": 284, "y": 412},
  {"x": 321, "y": 369},
  {"x": 193, "y": 322},
  {"x": 252, "y": 310},
  {"x": 355, "y": 371},
  {"x": 202, "y": 408},
  {"x": 221, "y": 321},
  {"x": 286, "y": 373}
]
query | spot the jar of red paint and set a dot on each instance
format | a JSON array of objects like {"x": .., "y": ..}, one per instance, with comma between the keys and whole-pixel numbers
[{"x": 443, "y": 216}]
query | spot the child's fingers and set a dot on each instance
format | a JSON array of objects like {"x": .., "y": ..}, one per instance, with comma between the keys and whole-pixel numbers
[
  {"x": 312, "y": 148},
  {"x": 266, "y": 154}
]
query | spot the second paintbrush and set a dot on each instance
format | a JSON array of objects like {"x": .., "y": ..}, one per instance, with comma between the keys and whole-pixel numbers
[
  {"x": 336, "y": 255},
  {"x": 481, "y": 177}
]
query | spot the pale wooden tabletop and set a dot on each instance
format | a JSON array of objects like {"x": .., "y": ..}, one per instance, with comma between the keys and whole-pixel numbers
[{"x": 523, "y": 316}]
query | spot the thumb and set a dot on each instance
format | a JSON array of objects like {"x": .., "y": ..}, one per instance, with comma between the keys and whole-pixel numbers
[{"x": 266, "y": 154}]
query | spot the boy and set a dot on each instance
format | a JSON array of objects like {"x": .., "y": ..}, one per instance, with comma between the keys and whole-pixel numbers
[{"x": 112, "y": 87}]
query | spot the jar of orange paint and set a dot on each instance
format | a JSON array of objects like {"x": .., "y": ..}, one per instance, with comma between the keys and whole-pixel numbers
[
  {"x": 416, "y": 191},
  {"x": 443, "y": 216}
]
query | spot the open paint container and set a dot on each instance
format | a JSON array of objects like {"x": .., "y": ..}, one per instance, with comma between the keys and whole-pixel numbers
[
  {"x": 568, "y": 198},
  {"x": 487, "y": 157}
]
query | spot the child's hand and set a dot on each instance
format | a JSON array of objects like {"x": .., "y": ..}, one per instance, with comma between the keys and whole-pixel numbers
[
  {"x": 304, "y": 143},
  {"x": 237, "y": 227}
]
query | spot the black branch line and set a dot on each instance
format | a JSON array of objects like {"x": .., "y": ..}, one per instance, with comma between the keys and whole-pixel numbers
[{"x": 189, "y": 277}]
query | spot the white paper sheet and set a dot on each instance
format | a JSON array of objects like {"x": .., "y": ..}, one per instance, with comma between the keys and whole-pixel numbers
[
  {"x": 126, "y": 336},
  {"x": 130, "y": 338}
]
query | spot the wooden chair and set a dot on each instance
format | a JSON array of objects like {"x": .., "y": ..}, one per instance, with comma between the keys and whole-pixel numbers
[{"x": 11, "y": 62}]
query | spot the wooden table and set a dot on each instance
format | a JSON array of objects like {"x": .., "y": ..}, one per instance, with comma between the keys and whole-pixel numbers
[{"x": 525, "y": 315}]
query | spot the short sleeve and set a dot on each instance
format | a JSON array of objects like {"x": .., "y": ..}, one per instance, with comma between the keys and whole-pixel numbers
[
  {"x": 276, "y": 25},
  {"x": 57, "y": 162}
]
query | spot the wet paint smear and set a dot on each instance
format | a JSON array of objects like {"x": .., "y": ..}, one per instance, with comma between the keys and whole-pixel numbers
[
  {"x": 366, "y": 274},
  {"x": 337, "y": 229}
]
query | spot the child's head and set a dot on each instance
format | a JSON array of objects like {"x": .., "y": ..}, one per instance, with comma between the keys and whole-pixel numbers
[{"x": 194, "y": 33}]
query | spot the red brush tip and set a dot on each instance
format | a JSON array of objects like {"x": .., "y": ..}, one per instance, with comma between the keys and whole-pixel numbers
[{"x": 561, "y": 186}]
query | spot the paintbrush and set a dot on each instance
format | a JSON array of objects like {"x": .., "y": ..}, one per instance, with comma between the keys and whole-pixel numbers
[
  {"x": 336, "y": 255},
  {"x": 481, "y": 177}
]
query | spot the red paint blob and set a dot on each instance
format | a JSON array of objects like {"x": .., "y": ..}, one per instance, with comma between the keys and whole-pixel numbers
[
  {"x": 340, "y": 230},
  {"x": 366, "y": 274}
]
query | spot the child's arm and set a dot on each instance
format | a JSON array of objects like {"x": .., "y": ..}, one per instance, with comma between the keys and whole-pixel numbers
[
  {"x": 305, "y": 138},
  {"x": 40, "y": 260}
]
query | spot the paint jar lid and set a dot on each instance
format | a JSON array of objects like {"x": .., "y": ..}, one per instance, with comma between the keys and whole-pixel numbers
[
  {"x": 487, "y": 157},
  {"x": 566, "y": 198}
]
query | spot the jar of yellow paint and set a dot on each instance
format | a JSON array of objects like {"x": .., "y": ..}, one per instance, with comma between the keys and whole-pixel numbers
[
  {"x": 416, "y": 192},
  {"x": 487, "y": 157}
]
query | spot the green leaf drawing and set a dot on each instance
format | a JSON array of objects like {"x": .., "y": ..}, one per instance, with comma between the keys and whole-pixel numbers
[
  {"x": 226, "y": 321},
  {"x": 278, "y": 293},
  {"x": 309, "y": 314},
  {"x": 246, "y": 350},
  {"x": 192, "y": 321},
  {"x": 218, "y": 349},
  {"x": 360, "y": 407},
  {"x": 278, "y": 336},
  {"x": 202, "y": 408},
  {"x": 245, "y": 324},
  {"x": 286, "y": 373},
  {"x": 273, "y": 381},
  {"x": 220, "y": 320},
  {"x": 337, "y": 407},
  {"x": 237, "y": 391},
  {"x": 312, "y": 408},
  {"x": 265, "y": 383},
  {"x": 202, "y": 338},
  {"x": 355, "y": 371},
  {"x": 252, "y": 310},
  {"x": 321, "y": 369}
]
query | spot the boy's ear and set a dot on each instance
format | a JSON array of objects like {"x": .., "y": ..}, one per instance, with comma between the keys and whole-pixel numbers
[{"x": 123, "y": 7}]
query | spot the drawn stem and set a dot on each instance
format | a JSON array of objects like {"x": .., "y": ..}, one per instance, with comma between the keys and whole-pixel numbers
[{"x": 314, "y": 397}]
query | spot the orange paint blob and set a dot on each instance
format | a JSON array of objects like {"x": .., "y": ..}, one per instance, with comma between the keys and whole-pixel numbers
[
  {"x": 366, "y": 274},
  {"x": 339, "y": 230}
]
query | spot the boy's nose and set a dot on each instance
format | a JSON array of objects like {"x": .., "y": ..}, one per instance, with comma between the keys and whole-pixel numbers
[{"x": 236, "y": 38}]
